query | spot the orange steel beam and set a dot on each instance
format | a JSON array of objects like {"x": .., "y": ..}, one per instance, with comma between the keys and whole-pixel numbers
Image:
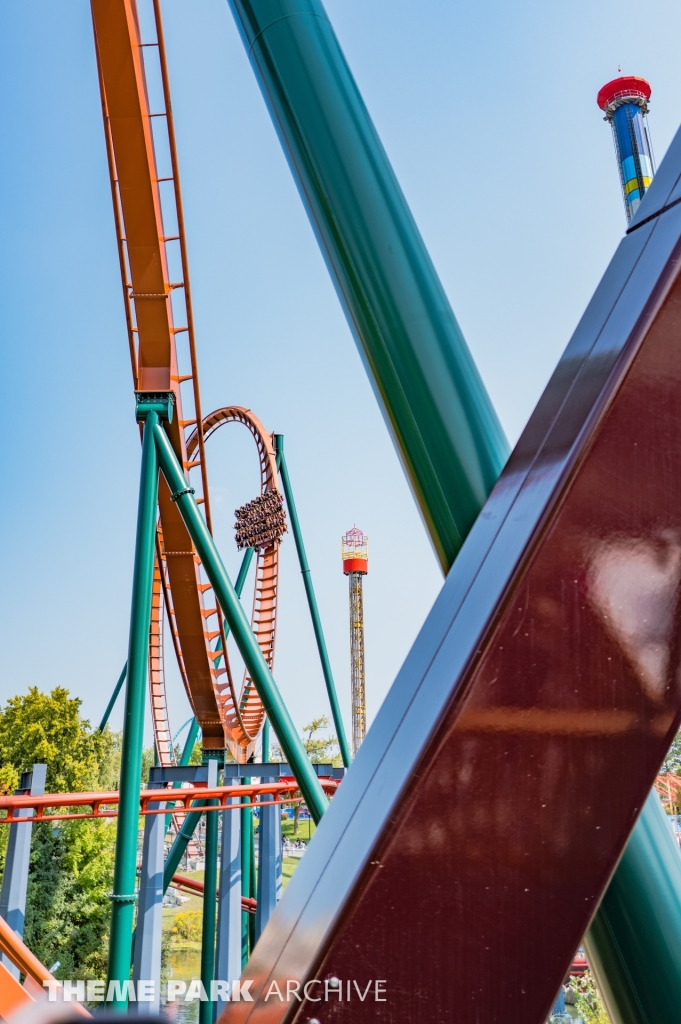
[
  {"x": 138, "y": 215},
  {"x": 180, "y": 798},
  {"x": 197, "y": 888},
  {"x": 22, "y": 957}
]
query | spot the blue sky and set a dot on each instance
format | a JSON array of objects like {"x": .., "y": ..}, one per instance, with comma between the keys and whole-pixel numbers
[{"x": 488, "y": 113}]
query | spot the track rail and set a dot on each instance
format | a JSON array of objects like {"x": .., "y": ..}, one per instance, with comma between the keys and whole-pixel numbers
[
  {"x": 158, "y": 310},
  {"x": 244, "y": 716},
  {"x": 197, "y": 888},
  {"x": 103, "y": 804}
]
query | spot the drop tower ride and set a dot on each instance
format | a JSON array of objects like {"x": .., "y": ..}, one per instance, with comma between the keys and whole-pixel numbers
[
  {"x": 355, "y": 554},
  {"x": 625, "y": 104}
]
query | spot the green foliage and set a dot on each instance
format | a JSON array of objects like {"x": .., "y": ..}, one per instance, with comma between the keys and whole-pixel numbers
[
  {"x": 320, "y": 749},
  {"x": 588, "y": 1003},
  {"x": 672, "y": 762},
  {"x": 41, "y": 728},
  {"x": 148, "y": 761},
  {"x": 71, "y": 868},
  {"x": 197, "y": 754},
  {"x": 187, "y": 926},
  {"x": 9, "y": 779}
]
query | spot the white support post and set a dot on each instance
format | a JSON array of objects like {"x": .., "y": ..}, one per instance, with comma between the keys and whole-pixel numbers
[
  {"x": 15, "y": 875},
  {"x": 228, "y": 957},
  {"x": 148, "y": 936},
  {"x": 270, "y": 864}
]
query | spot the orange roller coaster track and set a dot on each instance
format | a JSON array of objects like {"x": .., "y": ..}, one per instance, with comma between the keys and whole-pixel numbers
[
  {"x": 103, "y": 804},
  {"x": 159, "y": 315},
  {"x": 244, "y": 717}
]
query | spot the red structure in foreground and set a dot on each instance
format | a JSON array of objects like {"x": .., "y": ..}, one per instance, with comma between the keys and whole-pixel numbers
[{"x": 552, "y": 654}]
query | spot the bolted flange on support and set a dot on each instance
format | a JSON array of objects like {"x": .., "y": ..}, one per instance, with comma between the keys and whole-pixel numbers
[{"x": 160, "y": 402}]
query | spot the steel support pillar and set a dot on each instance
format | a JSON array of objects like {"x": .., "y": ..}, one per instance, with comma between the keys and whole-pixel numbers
[
  {"x": 311, "y": 602},
  {"x": 124, "y": 897},
  {"x": 618, "y": 944},
  {"x": 114, "y": 697},
  {"x": 17, "y": 860},
  {"x": 246, "y": 838},
  {"x": 228, "y": 958},
  {"x": 269, "y": 863},
  {"x": 240, "y": 627},
  {"x": 210, "y": 883},
  {"x": 148, "y": 937},
  {"x": 435, "y": 405}
]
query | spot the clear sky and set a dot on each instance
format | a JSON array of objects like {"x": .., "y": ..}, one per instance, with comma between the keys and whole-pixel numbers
[{"x": 488, "y": 113}]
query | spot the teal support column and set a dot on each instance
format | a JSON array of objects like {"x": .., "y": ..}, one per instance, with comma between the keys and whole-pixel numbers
[
  {"x": 439, "y": 414},
  {"x": 246, "y": 839},
  {"x": 434, "y": 403},
  {"x": 186, "y": 754},
  {"x": 181, "y": 842},
  {"x": 639, "y": 982},
  {"x": 266, "y": 740},
  {"x": 114, "y": 697},
  {"x": 124, "y": 896},
  {"x": 312, "y": 601},
  {"x": 238, "y": 587},
  {"x": 210, "y": 891},
  {"x": 192, "y": 736},
  {"x": 268, "y": 691}
]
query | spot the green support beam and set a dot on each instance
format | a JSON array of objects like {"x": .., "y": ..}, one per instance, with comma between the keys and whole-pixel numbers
[
  {"x": 266, "y": 740},
  {"x": 439, "y": 414},
  {"x": 114, "y": 697},
  {"x": 182, "y": 840},
  {"x": 312, "y": 600},
  {"x": 434, "y": 403},
  {"x": 639, "y": 982},
  {"x": 124, "y": 896},
  {"x": 238, "y": 587},
  {"x": 291, "y": 744},
  {"x": 192, "y": 735}
]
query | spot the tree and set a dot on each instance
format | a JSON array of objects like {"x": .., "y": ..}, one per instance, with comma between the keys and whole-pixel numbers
[
  {"x": 71, "y": 864},
  {"x": 672, "y": 762},
  {"x": 320, "y": 750}
]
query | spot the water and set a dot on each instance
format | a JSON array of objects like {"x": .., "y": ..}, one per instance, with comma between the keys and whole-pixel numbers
[{"x": 184, "y": 965}]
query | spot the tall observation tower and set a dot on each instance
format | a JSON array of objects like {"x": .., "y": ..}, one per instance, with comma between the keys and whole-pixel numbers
[
  {"x": 355, "y": 553},
  {"x": 625, "y": 104}
]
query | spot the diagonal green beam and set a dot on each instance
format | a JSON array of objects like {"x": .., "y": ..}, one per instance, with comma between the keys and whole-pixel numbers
[
  {"x": 435, "y": 405},
  {"x": 273, "y": 702},
  {"x": 238, "y": 587},
  {"x": 442, "y": 422},
  {"x": 312, "y": 600},
  {"x": 124, "y": 897},
  {"x": 114, "y": 697}
]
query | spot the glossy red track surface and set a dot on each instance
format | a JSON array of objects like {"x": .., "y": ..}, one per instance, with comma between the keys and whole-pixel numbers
[{"x": 551, "y": 660}]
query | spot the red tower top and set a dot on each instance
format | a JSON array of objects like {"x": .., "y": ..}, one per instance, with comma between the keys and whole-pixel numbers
[
  {"x": 622, "y": 87},
  {"x": 355, "y": 552}
]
